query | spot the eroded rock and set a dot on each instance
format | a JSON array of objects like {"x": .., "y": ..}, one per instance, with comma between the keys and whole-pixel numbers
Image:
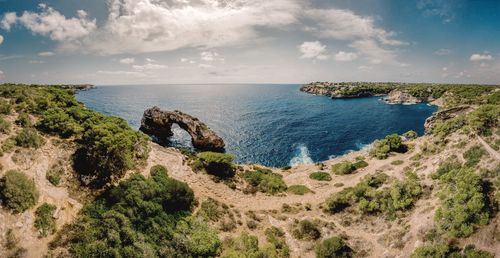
[{"x": 157, "y": 122}]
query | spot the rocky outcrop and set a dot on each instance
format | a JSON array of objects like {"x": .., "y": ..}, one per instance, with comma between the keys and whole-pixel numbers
[
  {"x": 158, "y": 123},
  {"x": 401, "y": 97},
  {"x": 445, "y": 115}
]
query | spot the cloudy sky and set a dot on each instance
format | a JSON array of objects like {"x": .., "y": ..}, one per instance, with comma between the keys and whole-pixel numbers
[{"x": 249, "y": 41}]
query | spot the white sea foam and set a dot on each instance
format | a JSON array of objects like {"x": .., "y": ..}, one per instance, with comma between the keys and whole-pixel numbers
[{"x": 302, "y": 156}]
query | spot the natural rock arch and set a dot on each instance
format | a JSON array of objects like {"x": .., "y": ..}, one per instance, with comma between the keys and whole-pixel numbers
[{"x": 158, "y": 123}]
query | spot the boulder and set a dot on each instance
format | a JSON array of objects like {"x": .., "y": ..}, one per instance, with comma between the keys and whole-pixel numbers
[{"x": 158, "y": 123}]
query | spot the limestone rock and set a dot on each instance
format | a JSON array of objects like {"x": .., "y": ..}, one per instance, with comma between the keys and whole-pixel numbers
[{"x": 157, "y": 122}]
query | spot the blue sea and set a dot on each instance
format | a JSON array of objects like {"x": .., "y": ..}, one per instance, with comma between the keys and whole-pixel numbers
[{"x": 270, "y": 124}]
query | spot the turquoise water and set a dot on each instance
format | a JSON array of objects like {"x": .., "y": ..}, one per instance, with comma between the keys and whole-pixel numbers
[{"x": 273, "y": 125}]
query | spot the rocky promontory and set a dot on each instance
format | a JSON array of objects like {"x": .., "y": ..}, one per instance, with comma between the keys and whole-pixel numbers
[
  {"x": 401, "y": 97},
  {"x": 157, "y": 122}
]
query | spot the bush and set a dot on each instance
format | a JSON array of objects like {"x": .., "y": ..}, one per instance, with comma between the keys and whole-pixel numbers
[
  {"x": 5, "y": 107},
  {"x": 298, "y": 189},
  {"x": 29, "y": 138},
  {"x": 320, "y": 176},
  {"x": 243, "y": 246},
  {"x": 17, "y": 191},
  {"x": 158, "y": 169},
  {"x": 333, "y": 247},
  {"x": 360, "y": 164},
  {"x": 410, "y": 135},
  {"x": 391, "y": 143},
  {"x": 397, "y": 162},
  {"x": 44, "y": 219},
  {"x": 59, "y": 121},
  {"x": 23, "y": 120},
  {"x": 473, "y": 155},
  {"x": 445, "y": 251},
  {"x": 276, "y": 237},
  {"x": 218, "y": 164},
  {"x": 108, "y": 149},
  {"x": 464, "y": 204},
  {"x": 265, "y": 180},
  {"x": 54, "y": 177},
  {"x": 306, "y": 230},
  {"x": 4, "y": 126},
  {"x": 141, "y": 217},
  {"x": 343, "y": 168},
  {"x": 483, "y": 119}
]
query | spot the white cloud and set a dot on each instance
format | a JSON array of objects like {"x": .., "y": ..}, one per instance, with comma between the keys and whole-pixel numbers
[
  {"x": 149, "y": 67},
  {"x": 443, "y": 52},
  {"x": 52, "y": 23},
  {"x": 128, "y": 60},
  {"x": 345, "y": 56},
  {"x": 210, "y": 56},
  {"x": 7, "y": 21},
  {"x": 1, "y": 39},
  {"x": 123, "y": 73},
  {"x": 135, "y": 26},
  {"x": 313, "y": 50},
  {"x": 445, "y": 9},
  {"x": 374, "y": 52},
  {"x": 184, "y": 60},
  {"x": 48, "y": 53},
  {"x": 481, "y": 57},
  {"x": 205, "y": 66},
  {"x": 444, "y": 69}
]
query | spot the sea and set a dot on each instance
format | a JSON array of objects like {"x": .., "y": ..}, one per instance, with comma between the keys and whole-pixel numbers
[{"x": 274, "y": 125}]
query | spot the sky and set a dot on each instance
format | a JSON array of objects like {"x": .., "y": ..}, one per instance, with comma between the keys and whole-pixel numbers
[{"x": 114, "y": 42}]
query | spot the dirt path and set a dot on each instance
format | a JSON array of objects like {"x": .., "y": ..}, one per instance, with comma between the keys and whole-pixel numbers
[{"x": 488, "y": 148}]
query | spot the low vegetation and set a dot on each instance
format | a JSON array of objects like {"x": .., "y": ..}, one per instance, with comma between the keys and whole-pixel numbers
[
  {"x": 306, "y": 230},
  {"x": 17, "y": 191},
  {"x": 365, "y": 196},
  {"x": 473, "y": 155},
  {"x": 44, "y": 219},
  {"x": 264, "y": 180},
  {"x": 444, "y": 251},
  {"x": 391, "y": 143},
  {"x": 333, "y": 247},
  {"x": 248, "y": 246},
  {"x": 218, "y": 164},
  {"x": 298, "y": 189},
  {"x": 343, "y": 168},
  {"x": 320, "y": 176},
  {"x": 29, "y": 138}
]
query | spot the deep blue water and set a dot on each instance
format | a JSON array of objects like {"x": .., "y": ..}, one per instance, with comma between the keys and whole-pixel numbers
[{"x": 273, "y": 125}]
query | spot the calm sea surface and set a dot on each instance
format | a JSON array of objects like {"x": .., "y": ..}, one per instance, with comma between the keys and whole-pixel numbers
[{"x": 273, "y": 125}]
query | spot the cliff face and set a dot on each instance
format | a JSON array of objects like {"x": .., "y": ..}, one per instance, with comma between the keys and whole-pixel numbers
[
  {"x": 159, "y": 123},
  {"x": 401, "y": 97},
  {"x": 445, "y": 115}
]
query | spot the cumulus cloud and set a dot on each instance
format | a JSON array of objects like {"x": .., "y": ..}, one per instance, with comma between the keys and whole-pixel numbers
[
  {"x": 149, "y": 66},
  {"x": 313, "y": 50},
  {"x": 210, "y": 56},
  {"x": 47, "y": 53},
  {"x": 345, "y": 56},
  {"x": 52, "y": 23},
  {"x": 374, "y": 52},
  {"x": 445, "y": 9},
  {"x": 128, "y": 60},
  {"x": 481, "y": 57},
  {"x": 1, "y": 39},
  {"x": 135, "y": 26}
]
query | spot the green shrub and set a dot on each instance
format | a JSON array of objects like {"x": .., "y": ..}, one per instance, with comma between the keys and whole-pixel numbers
[
  {"x": 306, "y": 230},
  {"x": 17, "y": 191},
  {"x": 29, "y": 138},
  {"x": 343, "y": 168},
  {"x": 24, "y": 120},
  {"x": 391, "y": 143},
  {"x": 59, "y": 121},
  {"x": 218, "y": 164},
  {"x": 243, "y": 246},
  {"x": 44, "y": 219},
  {"x": 8, "y": 145},
  {"x": 320, "y": 176},
  {"x": 333, "y": 247},
  {"x": 276, "y": 237},
  {"x": 449, "y": 251},
  {"x": 410, "y": 135},
  {"x": 444, "y": 128},
  {"x": 5, "y": 107},
  {"x": 463, "y": 203},
  {"x": 360, "y": 164},
  {"x": 108, "y": 149},
  {"x": 298, "y": 189},
  {"x": 4, "y": 126},
  {"x": 265, "y": 180},
  {"x": 53, "y": 176},
  {"x": 397, "y": 162},
  {"x": 141, "y": 217},
  {"x": 483, "y": 119},
  {"x": 158, "y": 169},
  {"x": 211, "y": 210},
  {"x": 473, "y": 155}
]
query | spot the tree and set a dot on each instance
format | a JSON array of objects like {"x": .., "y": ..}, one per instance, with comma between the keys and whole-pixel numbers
[
  {"x": 219, "y": 164},
  {"x": 333, "y": 247}
]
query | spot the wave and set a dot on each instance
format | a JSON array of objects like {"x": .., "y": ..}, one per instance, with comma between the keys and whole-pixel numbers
[{"x": 302, "y": 156}]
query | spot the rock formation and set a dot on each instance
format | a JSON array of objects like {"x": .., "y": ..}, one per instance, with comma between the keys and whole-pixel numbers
[
  {"x": 158, "y": 123},
  {"x": 445, "y": 115},
  {"x": 401, "y": 97}
]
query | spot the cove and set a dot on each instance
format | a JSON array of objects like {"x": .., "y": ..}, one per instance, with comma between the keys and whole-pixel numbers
[{"x": 269, "y": 124}]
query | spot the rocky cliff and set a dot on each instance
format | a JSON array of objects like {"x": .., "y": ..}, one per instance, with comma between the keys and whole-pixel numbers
[
  {"x": 158, "y": 123},
  {"x": 445, "y": 115},
  {"x": 401, "y": 97}
]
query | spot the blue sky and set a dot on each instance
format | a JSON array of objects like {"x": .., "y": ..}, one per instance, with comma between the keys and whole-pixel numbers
[{"x": 243, "y": 41}]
